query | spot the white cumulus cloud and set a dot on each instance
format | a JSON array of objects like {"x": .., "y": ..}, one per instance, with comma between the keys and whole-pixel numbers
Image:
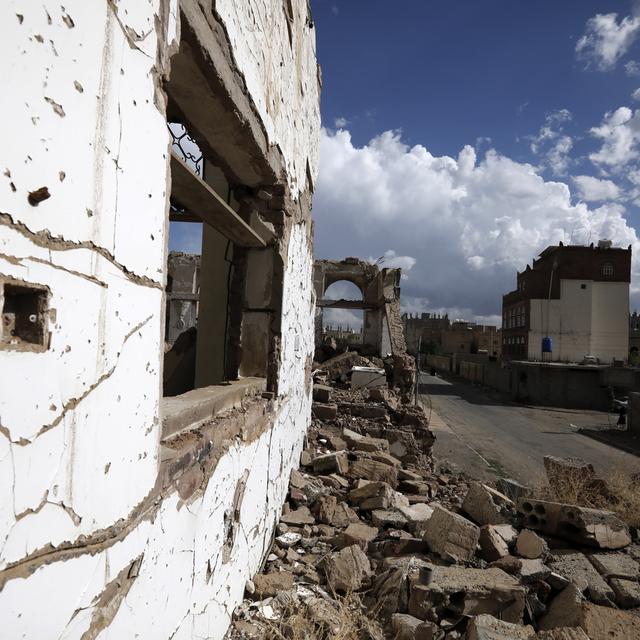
[
  {"x": 595, "y": 189},
  {"x": 632, "y": 68},
  {"x": 551, "y": 144},
  {"x": 620, "y": 134},
  {"x": 468, "y": 223},
  {"x": 607, "y": 39}
]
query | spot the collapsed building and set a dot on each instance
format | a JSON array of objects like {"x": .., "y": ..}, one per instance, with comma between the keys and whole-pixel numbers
[
  {"x": 124, "y": 513},
  {"x": 378, "y": 542},
  {"x": 382, "y": 329}
]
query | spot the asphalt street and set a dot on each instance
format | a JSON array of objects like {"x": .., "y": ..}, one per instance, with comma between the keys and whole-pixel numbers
[{"x": 486, "y": 436}]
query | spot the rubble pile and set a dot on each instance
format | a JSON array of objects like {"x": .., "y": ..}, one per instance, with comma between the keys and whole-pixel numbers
[{"x": 428, "y": 553}]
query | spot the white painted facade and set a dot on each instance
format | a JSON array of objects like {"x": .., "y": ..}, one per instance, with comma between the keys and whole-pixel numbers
[
  {"x": 284, "y": 87},
  {"x": 81, "y": 500},
  {"x": 590, "y": 318}
]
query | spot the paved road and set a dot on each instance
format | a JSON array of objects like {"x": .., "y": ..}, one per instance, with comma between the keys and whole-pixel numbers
[{"x": 487, "y": 437}]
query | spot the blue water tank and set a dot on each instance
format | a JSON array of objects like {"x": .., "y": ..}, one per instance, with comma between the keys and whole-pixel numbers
[{"x": 547, "y": 345}]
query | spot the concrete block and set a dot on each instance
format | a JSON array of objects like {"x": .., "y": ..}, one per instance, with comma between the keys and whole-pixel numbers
[
  {"x": 568, "y": 472},
  {"x": 370, "y": 469},
  {"x": 471, "y": 592},
  {"x": 417, "y": 516},
  {"x": 268, "y": 584},
  {"x": 576, "y": 568},
  {"x": 331, "y": 462},
  {"x": 565, "y": 610},
  {"x": 616, "y": 565},
  {"x": 322, "y": 393},
  {"x": 513, "y": 489},
  {"x": 627, "y": 592},
  {"x": 593, "y": 527},
  {"x": 486, "y": 627},
  {"x": 532, "y": 570},
  {"x": 605, "y": 623},
  {"x": 562, "y": 633},
  {"x": 451, "y": 536},
  {"x": 324, "y": 411},
  {"x": 347, "y": 570},
  {"x": 355, "y": 533},
  {"x": 404, "y": 626},
  {"x": 385, "y": 518},
  {"x": 531, "y": 545},
  {"x": 365, "y": 443},
  {"x": 486, "y": 505},
  {"x": 492, "y": 544}
]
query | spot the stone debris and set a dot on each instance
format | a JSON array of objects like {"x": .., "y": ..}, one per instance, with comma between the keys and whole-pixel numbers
[
  {"x": 450, "y": 535},
  {"x": 616, "y": 565},
  {"x": 268, "y": 584},
  {"x": 495, "y": 541},
  {"x": 513, "y": 489},
  {"x": 530, "y": 545},
  {"x": 322, "y": 393},
  {"x": 627, "y": 592},
  {"x": 593, "y": 527},
  {"x": 486, "y": 505},
  {"x": 486, "y": 627},
  {"x": 467, "y": 592},
  {"x": 576, "y": 568},
  {"x": 347, "y": 570},
  {"x": 569, "y": 609},
  {"x": 428, "y": 553},
  {"x": 562, "y": 633}
]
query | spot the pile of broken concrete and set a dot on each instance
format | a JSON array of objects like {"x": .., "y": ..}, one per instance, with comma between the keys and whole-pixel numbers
[{"x": 431, "y": 554}]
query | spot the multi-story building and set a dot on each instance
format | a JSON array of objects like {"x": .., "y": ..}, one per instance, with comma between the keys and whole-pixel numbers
[
  {"x": 344, "y": 336},
  {"x": 439, "y": 335},
  {"x": 578, "y": 298},
  {"x": 427, "y": 327}
]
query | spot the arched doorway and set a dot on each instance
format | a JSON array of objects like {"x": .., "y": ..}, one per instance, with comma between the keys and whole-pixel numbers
[{"x": 341, "y": 323}]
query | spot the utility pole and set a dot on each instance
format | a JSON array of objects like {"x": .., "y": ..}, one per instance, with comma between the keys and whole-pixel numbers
[{"x": 419, "y": 355}]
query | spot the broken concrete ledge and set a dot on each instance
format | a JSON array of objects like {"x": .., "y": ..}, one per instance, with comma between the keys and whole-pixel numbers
[{"x": 194, "y": 408}]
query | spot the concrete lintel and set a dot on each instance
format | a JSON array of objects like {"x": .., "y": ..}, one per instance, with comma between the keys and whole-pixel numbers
[
  {"x": 346, "y": 304},
  {"x": 193, "y": 408}
]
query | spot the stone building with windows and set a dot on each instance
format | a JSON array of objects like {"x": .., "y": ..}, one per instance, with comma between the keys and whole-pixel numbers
[
  {"x": 125, "y": 513},
  {"x": 578, "y": 296}
]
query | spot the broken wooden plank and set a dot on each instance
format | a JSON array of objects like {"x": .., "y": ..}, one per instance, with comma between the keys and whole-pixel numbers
[{"x": 189, "y": 191}]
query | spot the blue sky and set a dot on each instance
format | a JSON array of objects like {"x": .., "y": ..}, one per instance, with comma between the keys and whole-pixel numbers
[
  {"x": 447, "y": 72},
  {"x": 462, "y": 137}
]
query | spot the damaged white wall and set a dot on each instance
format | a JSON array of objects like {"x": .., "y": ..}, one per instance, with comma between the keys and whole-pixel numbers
[
  {"x": 80, "y": 505},
  {"x": 79, "y": 421},
  {"x": 283, "y": 78}
]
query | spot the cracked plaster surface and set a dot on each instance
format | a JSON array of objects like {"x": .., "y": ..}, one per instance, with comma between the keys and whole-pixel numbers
[
  {"x": 87, "y": 99},
  {"x": 86, "y": 125},
  {"x": 282, "y": 79},
  {"x": 183, "y": 584}
]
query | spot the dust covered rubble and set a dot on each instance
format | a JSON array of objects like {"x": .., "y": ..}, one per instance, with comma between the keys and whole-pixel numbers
[{"x": 373, "y": 532}]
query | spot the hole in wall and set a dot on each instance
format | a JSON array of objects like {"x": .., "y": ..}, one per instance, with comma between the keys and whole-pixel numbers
[{"x": 24, "y": 315}]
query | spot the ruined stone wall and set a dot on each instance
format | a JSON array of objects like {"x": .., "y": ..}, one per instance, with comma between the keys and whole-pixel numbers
[{"x": 106, "y": 529}]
